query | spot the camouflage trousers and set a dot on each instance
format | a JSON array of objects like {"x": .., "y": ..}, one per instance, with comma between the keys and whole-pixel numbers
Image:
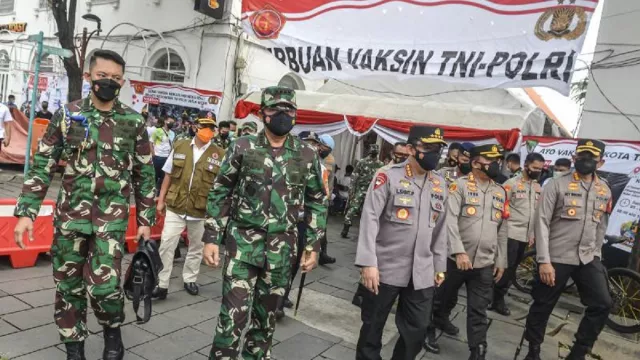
[
  {"x": 86, "y": 264},
  {"x": 355, "y": 206},
  {"x": 246, "y": 287}
]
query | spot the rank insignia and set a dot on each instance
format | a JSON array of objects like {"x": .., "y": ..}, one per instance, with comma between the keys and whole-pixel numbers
[
  {"x": 436, "y": 189},
  {"x": 520, "y": 186},
  {"x": 402, "y": 214},
  {"x": 602, "y": 192},
  {"x": 381, "y": 179},
  {"x": 573, "y": 186},
  {"x": 474, "y": 200},
  {"x": 571, "y": 212},
  {"x": 471, "y": 210},
  {"x": 405, "y": 184},
  {"x": 435, "y": 182},
  {"x": 601, "y": 207}
]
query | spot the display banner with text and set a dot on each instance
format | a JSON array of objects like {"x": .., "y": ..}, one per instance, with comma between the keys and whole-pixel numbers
[
  {"x": 490, "y": 43},
  {"x": 147, "y": 93},
  {"x": 620, "y": 157},
  {"x": 626, "y": 214}
]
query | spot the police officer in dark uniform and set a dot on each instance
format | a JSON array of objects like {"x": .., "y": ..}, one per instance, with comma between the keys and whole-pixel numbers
[
  {"x": 477, "y": 246},
  {"x": 570, "y": 224}
]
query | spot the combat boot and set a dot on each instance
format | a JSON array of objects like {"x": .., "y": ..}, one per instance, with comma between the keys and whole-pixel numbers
[
  {"x": 113, "y": 346},
  {"x": 578, "y": 352},
  {"x": 431, "y": 344},
  {"x": 446, "y": 326},
  {"x": 499, "y": 306},
  {"x": 345, "y": 231},
  {"x": 75, "y": 350},
  {"x": 279, "y": 314},
  {"x": 478, "y": 353},
  {"x": 534, "y": 352}
]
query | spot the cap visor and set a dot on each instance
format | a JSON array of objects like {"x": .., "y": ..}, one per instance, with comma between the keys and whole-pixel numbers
[
  {"x": 491, "y": 155},
  {"x": 592, "y": 149},
  {"x": 433, "y": 141}
]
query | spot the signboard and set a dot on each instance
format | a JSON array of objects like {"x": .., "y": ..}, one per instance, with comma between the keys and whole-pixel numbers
[
  {"x": 213, "y": 8},
  {"x": 43, "y": 82},
  {"x": 65, "y": 53},
  {"x": 15, "y": 27},
  {"x": 625, "y": 213},
  {"x": 489, "y": 43},
  {"x": 620, "y": 157},
  {"x": 148, "y": 93}
]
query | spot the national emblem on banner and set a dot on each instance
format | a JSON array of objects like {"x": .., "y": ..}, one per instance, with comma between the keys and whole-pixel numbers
[{"x": 562, "y": 17}]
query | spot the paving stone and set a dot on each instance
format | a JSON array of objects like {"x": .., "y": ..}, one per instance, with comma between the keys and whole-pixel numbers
[
  {"x": 29, "y": 341},
  {"x": 300, "y": 347},
  {"x": 52, "y": 353},
  {"x": 176, "y": 301},
  {"x": 211, "y": 291},
  {"x": 173, "y": 346},
  {"x": 129, "y": 316},
  {"x": 320, "y": 287},
  {"x": 503, "y": 339},
  {"x": 21, "y": 286},
  {"x": 197, "y": 313},
  {"x": 40, "y": 270},
  {"x": 458, "y": 319},
  {"x": 339, "y": 352},
  {"x": 194, "y": 356},
  {"x": 208, "y": 327},
  {"x": 344, "y": 294},
  {"x": 39, "y": 298},
  {"x": 30, "y": 318},
  {"x": 289, "y": 327},
  {"x": 133, "y": 336},
  {"x": 9, "y": 304},
  {"x": 204, "y": 279},
  {"x": 93, "y": 347},
  {"x": 349, "y": 285},
  {"x": 6, "y": 328},
  {"x": 161, "y": 325},
  {"x": 3, "y": 294},
  {"x": 450, "y": 349}
]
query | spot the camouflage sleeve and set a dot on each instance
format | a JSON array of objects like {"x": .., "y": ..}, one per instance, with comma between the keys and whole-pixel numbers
[
  {"x": 143, "y": 176},
  {"x": 220, "y": 199},
  {"x": 315, "y": 205},
  {"x": 42, "y": 170}
]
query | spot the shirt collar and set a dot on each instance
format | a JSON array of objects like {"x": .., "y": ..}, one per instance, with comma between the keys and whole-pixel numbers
[
  {"x": 289, "y": 143},
  {"x": 87, "y": 105},
  {"x": 205, "y": 147}
]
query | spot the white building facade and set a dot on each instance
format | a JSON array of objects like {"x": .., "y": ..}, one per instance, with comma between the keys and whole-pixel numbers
[{"x": 163, "y": 41}]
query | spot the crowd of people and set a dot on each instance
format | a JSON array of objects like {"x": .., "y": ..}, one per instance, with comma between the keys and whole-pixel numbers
[{"x": 427, "y": 226}]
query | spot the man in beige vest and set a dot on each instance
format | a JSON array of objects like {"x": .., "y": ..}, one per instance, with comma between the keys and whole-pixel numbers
[{"x": 191, "y": 169}]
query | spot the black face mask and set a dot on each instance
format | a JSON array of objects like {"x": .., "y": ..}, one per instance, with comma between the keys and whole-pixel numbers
[
  {"x": 324, "y": 153},
  {"x": 44, "y": 109},
  {"x": 170, "y": 126},
  {"x": 281, "y": 123},
  {"x": 224, "y": 136},
  {"x": 534, "y": 175},
  {"x": 452, "y": 162},
  {"x": 492, "y": 170},
  {"x": 399, "y": 159},
  {"x": 465, "y": 168},
  {"x": 105, "y": 89},
  {"x": 192, "y": 132},
  {"x": 586, "y": 166},
  {"x": 373, "y": 154},
  {"x": 429, "y": 160}
]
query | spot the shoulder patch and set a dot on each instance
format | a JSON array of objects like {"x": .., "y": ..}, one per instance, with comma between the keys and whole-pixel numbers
[
  {"x": 381, "y": 179},
  {"x": 453, "y": 187}
]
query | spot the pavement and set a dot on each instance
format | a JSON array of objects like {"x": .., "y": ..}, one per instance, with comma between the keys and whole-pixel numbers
[{"x": 326, "y": 327}]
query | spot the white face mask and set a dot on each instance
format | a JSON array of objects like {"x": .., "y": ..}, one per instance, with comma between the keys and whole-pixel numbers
[{"x": 558, "y": 174}]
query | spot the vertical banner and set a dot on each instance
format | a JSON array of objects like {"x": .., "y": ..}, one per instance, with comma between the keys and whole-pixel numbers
[
  {"x": 626, "y": 214},
  {"x": 489, "y": 43}
]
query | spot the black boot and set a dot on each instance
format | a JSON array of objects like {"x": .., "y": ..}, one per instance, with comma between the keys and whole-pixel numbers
[
  {"x": 534, "y": 352},
  {"x": 498, "y": 305},
  {"x": 75, "y": 350},
  {"x": 177, "y": 254},
  {"x": 478, "y": 353},
  {"x": 431, "y": 344},
  {"x": 345, "y": 231},
  {"x": 287, "y": 303},
  {"x": 279, "y": 314},
  {"x": 113, "y": 347},
  {"x": 578, "y": 352},
  {"x": 159, "y": 293},
  {"x": 446, "y": 326},
  {"x": 326, "y": 259}
]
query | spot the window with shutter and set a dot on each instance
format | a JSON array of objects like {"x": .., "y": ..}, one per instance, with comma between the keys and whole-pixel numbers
[{"x": 6, "y": 6}]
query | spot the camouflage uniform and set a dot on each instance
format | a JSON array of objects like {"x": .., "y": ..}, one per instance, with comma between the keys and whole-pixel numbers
[
  {"x": 220, "y": 142},
  {"x": 362, "y": 176},
  {"x": 183, "y": 136},
  {"x": 254, "y": 205},
  {"x": 92, "y": 212}
]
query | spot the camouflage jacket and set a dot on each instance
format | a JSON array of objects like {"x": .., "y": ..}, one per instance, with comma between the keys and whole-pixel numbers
[
  {"x": 182, "y": 136},
  {"x": 363, "y": 173},
  {"x": 223, "y": 143},
  {"x": 103, "y": 159},
  {"x": 256, "y": 200}
]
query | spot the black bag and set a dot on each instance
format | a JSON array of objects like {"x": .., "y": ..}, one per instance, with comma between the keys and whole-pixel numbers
[{"x": 142, "y": 277}]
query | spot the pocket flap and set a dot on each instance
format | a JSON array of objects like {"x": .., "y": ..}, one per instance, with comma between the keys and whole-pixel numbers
[
  {"x": 404, "y": 201},
  {"x": 572, "y": 201},
  {"x": 437, "y": 205}
]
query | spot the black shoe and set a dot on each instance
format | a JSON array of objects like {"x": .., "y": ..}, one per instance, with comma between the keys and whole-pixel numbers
[
  {"x": 192, "y": 288},
  {"x": 447, "y": 327},
  {"x": 500, "y": 307},
  {"x": 431, "y": 344},
  {"x": 177, "y": 254},
  {"x": 75, "y": 350},
  {"x": 159, "y": 293},
  {"x": 279, "y": 314},
  {"x": 326, "y": 259},
  {"x": 578, "y": 352},
  {"x": 345, "y": 231},
  {"x": 287, "y": 303},
  {"x": 534, "y": 352},
  {"x": 478, "y": 353},
  {"x": 113, "y": 346}
]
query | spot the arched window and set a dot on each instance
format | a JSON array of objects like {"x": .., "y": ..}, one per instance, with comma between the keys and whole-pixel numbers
[
  {"x": 5, "y": 61},
  {"x": 292, "y": 81},
  {"x": 175, "y": 65},
  {"x": 47, "y": 64}
]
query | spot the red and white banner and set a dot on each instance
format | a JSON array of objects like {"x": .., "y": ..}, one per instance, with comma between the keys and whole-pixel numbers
[
  {"x": 490, "y": 43},
  {"x": 156, "y": 93},
  {"x": 620, "y": 157}
]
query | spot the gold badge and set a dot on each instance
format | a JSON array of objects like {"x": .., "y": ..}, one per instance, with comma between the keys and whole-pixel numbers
[
  {"x": 574, "y": 203},
  {"x": 405, "y": 184},
  {"x": 556, "y": 23},
  {"x": 453, "y": 187},
  {"x": 601, "y": 207},
  {"x": 573, "y": 186},
  {"x": 494, "y": 149},
  {"x": 436, "y": 189},
  {"x": 571, "y": 212},
  {"x": 589, "y": 143},
  {"x": 435, "y": 182},
  {"x": 471, "y": 210},
  {"x": 402, "y": 214},
  {"x": 474, "y": 200},
  {"x": 405, "y": 200},
  {"x": 498, "y": 215}
]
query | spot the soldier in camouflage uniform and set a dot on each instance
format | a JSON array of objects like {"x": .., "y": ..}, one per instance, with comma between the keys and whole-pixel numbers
[
  {"x": 223, "y": 138},
  {"x": 248, "y": 128},
  {"x": 264, "y": 182},
  {"x": 362, "y": 176},
  {"x": 107, "y": 150}
]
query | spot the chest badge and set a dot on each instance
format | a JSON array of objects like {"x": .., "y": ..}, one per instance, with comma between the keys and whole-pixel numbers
[
  {"x": 214, "y": 156},
  {"x": 471, "y": 211},
  {"x": 571, "y": 212},
  {"x": 402, "y": 214},
  {"x": 498, "y": 215},
  {"x": 453, "y": 187},
  {"x": 405, "y": 200},
  {"x": 573, "y": 186},
  {"x": 405, "y": 184}
]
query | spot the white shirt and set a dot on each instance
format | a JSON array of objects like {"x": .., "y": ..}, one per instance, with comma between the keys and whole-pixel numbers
[
  {"x": 5, "y": 116},
  {"x": 197, "y": 154},
  {"x": 345, "y": 181},
  {"x": 162, "y": 141},
  {"x": 150, "y": 130}
]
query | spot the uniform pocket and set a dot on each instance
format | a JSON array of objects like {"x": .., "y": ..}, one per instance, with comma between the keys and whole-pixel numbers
[
  {"x": 573, "y": 208},
  {"x": 497, "y": 210},
  {"x": 599, "y": 209},
  {"x": 437, "y": 208},
  {"x": 403, "y": 209}
]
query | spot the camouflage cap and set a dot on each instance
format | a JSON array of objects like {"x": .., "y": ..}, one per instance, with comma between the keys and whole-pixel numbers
[
  {"x": 374, "y": 148},
  {"x": 251, "y": 125},
  {"x": 278, "y": 95}
]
